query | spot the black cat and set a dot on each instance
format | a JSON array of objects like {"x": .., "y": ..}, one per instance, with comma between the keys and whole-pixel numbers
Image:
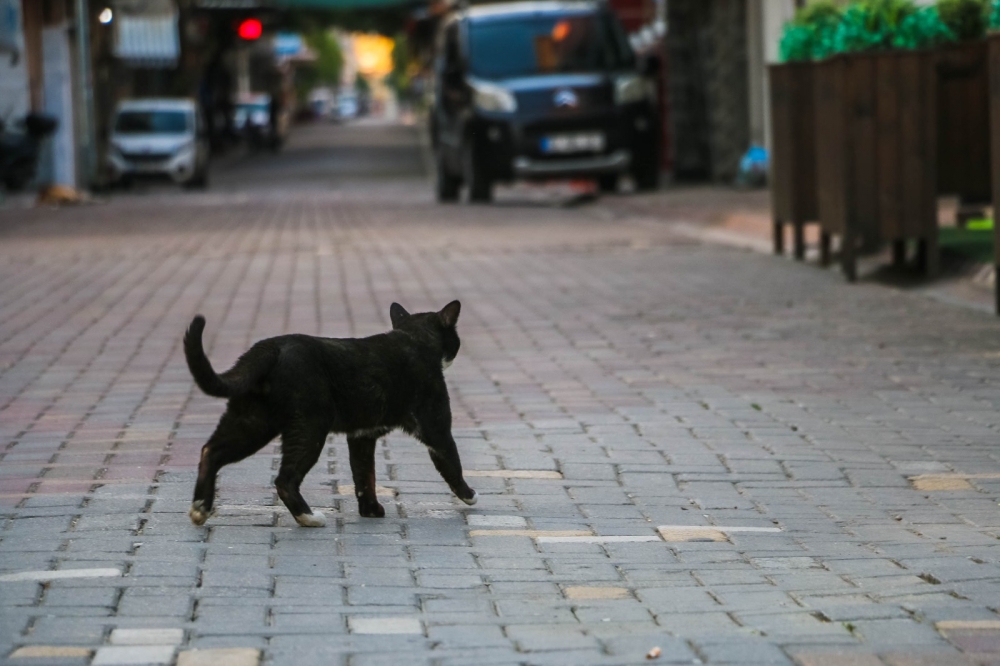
[{"x": 303, "y": 387}]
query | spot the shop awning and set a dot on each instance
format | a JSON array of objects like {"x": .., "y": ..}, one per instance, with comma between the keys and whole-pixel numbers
[
  {"x": 147, "y": 41},
  {"x": 340, "y": 5}
]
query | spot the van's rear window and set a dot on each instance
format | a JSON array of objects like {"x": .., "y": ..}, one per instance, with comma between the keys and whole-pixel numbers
[
  {"x": 151, "y": 122},
  {"x": 523, "y": 46}
]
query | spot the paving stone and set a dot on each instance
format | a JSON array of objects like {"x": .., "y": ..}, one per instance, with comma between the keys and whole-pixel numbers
[
  {"x": 51, "y": 652},
  {"x": 514, "y": 474},
  {"x": 385, "y": 625},
  {"x": 219, "y": 657},
  {"x": 478, "y": 520},
  {"x": 116, "y": 655},
  {"x": 846, "y": 658},
  {"x": 577, "y": 592},
  {"x": 42, "y": 576},
  {"x": 147, "y": 636},
  {"x": 743, "y": 652}
]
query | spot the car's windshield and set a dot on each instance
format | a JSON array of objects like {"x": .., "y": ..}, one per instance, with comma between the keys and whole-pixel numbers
[
  {"x": 527, "y": 45},
  {"x": 152, "y": 122}
]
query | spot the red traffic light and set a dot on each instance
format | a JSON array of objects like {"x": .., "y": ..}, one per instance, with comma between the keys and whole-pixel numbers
[{"x": 250, "y": 29}]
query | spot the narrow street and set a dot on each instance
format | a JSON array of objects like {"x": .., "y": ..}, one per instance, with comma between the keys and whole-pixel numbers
[{"x": 731, "y": 457}]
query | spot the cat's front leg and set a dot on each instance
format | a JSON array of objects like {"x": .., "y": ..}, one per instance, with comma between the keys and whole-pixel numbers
[
  {"x": 362, "y": 452},
  {"x": 444, "y": 454}
]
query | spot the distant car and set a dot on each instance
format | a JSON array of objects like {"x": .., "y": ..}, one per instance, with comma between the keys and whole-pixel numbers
[
  {"x": 321, "y": 103},
  {"x": 252, "y": 111},
  {"x": 347, "y": 105},
  {"x": 537, "y": 91},
  {"x": 252, "y": 121},
  {"x": 159, "y": 138}
]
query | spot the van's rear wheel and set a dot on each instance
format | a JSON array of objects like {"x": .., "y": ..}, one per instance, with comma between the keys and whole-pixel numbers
[
  {"x": 199, "y": 181},
  {"x": 475, "y": 176},
  {"x": 608, "y": 183},
  {"x": 447, "y": 186},
  {"x": 646, "y": 169}
]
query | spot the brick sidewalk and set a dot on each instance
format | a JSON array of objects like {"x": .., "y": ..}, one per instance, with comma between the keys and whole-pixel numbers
[
  {"x": 736, "y": 459},
  {"x": 743, "y": 219}
]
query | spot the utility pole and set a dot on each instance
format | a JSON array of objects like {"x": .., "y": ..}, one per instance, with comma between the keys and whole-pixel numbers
[{"x": 88, "y": 147}]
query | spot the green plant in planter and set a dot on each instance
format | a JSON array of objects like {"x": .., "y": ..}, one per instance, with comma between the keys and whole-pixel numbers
[
  {"x": 810, "y": 34},
  {"x": 871, "y": 25},
  {"x": 967, "y": 19},
  {"x": 923, "y": 29},
  {"x": 994, "y": 19}
]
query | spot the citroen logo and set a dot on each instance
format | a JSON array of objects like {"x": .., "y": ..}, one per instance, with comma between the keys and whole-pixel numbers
[{"x": 566, "y": 99}]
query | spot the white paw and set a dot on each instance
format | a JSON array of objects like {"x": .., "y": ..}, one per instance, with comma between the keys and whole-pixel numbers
[
  {"x": 314, "y": 519},
  {"x": 197, "y": 512},
  {"x": 472, "y": 500}
]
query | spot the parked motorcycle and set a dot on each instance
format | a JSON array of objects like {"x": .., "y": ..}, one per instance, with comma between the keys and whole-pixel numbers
[{"x": 19, "y": 148}]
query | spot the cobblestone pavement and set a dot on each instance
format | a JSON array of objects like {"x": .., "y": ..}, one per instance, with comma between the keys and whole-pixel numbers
[{"x": 733, "y": 458}]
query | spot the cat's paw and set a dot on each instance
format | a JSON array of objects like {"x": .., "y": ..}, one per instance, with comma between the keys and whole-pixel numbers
[
  {"x": 197, "y": 512},
  {"x": 373, "y": 510},
  {"x": 472, "y": 500},
  {"x": 314, "y": 519}
]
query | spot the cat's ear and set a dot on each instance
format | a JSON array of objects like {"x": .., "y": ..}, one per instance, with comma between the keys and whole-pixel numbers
[
  {"x": 449, "y": 315},
  {"x": 397, "y": 313}
]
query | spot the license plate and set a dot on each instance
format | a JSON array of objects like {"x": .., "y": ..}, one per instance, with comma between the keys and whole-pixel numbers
[
  {"x": 580, "y": 142},
  {"x": 149, "y": 168}
]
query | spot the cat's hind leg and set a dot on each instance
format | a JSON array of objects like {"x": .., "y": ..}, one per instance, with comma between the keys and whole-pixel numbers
[
  {"x": 243, "y": 430},
  {"x": 362, "y": 450},
  {"x": 301, "y": 446}
]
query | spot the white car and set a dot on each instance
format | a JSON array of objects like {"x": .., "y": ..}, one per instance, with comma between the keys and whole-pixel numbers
[{"x": 159, "y": 137}]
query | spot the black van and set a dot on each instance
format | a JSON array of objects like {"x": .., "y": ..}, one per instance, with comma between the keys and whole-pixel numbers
[{"x": 541, "y": 90}]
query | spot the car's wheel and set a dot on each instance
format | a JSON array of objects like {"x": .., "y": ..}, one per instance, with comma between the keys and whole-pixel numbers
[
  {"x": 17, "y": 179},
  {"x": 608, "y": 183},
  {"x": 475, "y": 176},
  {"x": 447, "y": 185},
  {"x": 199, "y": 181},
  {"x": 646, "y": 169}
]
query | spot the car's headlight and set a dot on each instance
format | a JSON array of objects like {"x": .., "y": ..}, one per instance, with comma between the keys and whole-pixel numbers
[
  {"x": 490, "y": 97},
  {"x": 632, "y": 88}
]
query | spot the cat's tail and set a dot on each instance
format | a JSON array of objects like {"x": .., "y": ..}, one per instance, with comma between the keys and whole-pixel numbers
[
  {"x": 198, "y": 363},
  {"x": 244, "y": 377}
]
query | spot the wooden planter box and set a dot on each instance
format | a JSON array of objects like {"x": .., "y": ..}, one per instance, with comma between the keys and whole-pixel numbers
[
  {"x": 963, "y": 108},
  {"x": 845, "y": 153},
  {"x": 876, "y": 153},
  {"x": 793, "y": 151},
  {"x": 994, "y": 94}
]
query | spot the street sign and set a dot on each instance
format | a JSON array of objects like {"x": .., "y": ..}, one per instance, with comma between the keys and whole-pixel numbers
[{"x": 288, "y": 44}]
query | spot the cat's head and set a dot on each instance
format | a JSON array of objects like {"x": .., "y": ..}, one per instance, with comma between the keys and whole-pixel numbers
[{"x": 440, "y": 324}]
